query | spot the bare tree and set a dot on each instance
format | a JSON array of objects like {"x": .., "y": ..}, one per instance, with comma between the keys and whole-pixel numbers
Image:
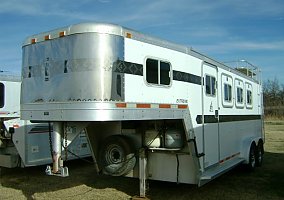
[{"x": 273, "y": 97}]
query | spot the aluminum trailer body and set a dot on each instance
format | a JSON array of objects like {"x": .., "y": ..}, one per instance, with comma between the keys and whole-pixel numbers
[
  {"x": 23, "y": 143},
  {"x": 152, "y": 109}
]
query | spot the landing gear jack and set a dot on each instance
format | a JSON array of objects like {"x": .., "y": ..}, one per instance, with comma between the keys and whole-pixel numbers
[{"x": 55, "y": 146}]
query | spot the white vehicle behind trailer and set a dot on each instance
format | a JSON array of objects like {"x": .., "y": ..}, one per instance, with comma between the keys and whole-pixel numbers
[
  {"x": 23, "y": 143},
  {"x": 152, "y": 109}
]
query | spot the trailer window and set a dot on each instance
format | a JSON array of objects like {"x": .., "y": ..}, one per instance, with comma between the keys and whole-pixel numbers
[
  {"x": 240, "y": 98},
  {"x": 210, "y": 85},
  {"x": 227, "y": 92},
  {"x": 165, "y": 73},
  {"x": 152, "y": 71},
  {"x": 2, "y": 95},
  {"x": 158, "y": 72},
  {"x": 249, "y": 97}
]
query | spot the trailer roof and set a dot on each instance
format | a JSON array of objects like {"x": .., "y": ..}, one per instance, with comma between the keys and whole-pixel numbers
[
  {"x": 113, "y": 29},
  {"x": 9, "y": 77}
]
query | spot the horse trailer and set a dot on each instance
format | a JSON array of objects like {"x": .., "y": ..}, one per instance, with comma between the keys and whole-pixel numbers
[
  {"x": 24, "y": 143},
  {"x": 151, "y": 109}
]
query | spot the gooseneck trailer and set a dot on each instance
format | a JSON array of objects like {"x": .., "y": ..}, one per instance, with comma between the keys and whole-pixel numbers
[{"x": 151, "y": 109}]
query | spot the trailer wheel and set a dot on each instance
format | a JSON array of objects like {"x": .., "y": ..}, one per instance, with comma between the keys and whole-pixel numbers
[
  {"x": 252, "y": 157},
  {"x": 259, "y": 154},
  {"x": 116, "y": 156}
]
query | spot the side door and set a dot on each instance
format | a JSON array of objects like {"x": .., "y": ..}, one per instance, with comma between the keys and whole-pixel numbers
[{"x": 210, "y": 115}]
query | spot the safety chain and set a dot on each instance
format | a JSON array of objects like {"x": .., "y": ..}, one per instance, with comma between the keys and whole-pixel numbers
[
  {"x": 50, "y": 141},
  {"x": 65, "y": 141}
]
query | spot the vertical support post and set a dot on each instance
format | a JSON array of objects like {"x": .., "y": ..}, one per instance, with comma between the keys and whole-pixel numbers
[
  {"x": 142, "y": 172},
  {"x": 57, "y": 168},
  {"x": 56, "y": 143}
]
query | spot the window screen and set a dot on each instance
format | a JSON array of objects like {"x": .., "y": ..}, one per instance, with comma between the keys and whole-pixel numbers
[
  {"x": 249, "y": 97},
  {"x": 227, "y": 92},
  {"x": 210, "y": 84},
  {"x": 240, "y": 98}
]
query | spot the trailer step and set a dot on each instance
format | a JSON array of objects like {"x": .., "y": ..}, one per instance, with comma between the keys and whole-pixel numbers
[{"x": 218, "y": 170}]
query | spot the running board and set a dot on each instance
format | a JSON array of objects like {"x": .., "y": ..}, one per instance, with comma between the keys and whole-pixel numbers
[{"x": 218, "y": 170}]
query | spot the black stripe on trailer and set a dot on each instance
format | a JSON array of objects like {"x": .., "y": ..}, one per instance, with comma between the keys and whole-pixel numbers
[
  {"x": 125, "y": 67},
  {"x": 186, "y": 77},
  {"x": 226, "y": 118}
]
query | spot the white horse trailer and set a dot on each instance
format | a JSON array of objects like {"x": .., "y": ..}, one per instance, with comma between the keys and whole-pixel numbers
[
  {"x": 184, "y": 116},
  {"x": 23, "y": 143}
]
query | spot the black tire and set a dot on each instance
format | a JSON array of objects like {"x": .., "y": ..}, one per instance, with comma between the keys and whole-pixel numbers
[
  {"x": 259, "y": 154},
  {"x": 116, "y": 157},
  {"x": 252, "y": 157}
]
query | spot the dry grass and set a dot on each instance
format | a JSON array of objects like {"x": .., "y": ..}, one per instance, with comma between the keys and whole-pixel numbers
[{"x": 266, "y": 182}]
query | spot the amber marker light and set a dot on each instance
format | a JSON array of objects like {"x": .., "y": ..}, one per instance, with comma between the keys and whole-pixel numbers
[
  {"x": 33, "y": 40},
  {"x": 62, "y": 34},
  {"x": 47, "y": 37},
  {"x": 128, "y": 35}
]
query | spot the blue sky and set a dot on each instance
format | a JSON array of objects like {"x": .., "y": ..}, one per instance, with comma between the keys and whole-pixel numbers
[{"x": 222, "y": 29}]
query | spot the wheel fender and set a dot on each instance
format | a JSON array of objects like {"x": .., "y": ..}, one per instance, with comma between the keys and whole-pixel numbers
[{"x": 246, "y": 144}]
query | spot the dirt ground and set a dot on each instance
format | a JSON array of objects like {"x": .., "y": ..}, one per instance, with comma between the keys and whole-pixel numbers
[{"x": 266, "y": 182}]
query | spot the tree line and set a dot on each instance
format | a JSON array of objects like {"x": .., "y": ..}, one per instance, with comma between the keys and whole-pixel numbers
[{"x": 273, "y": 98}]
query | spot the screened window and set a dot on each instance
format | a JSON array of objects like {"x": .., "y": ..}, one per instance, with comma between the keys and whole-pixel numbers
[
  {"x": 2, "y": 95},
  {"x": 210, "y": 84},
  {"x": 158, "y": 72},
  {"x": 240, "y": 98},
  {"x": 249, "y": 97},
  {"x": 227, "y": 92}
]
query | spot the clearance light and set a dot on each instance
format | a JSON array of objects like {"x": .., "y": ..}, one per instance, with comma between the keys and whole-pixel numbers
[
  {"x": 183, "y": 106},
  {"x": 47, "y": 37},
  {"x": 33, "y": 41},
  {"x": 164, "y": 106},
  {"x": 62, "y": 34},
  {"x": 143, "y": 105},
  {"x": 128, "y": 35}
]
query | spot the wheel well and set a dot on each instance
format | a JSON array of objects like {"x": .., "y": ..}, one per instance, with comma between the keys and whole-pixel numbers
[
  {"x": 260, "y": 143},
  {"x": 246, "y": 145}
]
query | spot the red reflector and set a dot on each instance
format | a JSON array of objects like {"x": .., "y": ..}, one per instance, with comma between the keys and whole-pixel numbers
[
  {"x": 164, "y": 106},
  {"x": 143, "y": 106},
  {"x": 182, "y": 106},
  {"x": 121, "y": 105}
]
